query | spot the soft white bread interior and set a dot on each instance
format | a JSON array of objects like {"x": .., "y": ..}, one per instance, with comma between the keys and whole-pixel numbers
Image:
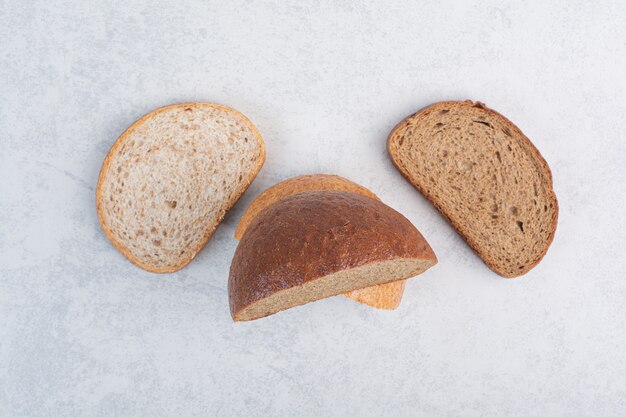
[{"x": 170, "y": 178}]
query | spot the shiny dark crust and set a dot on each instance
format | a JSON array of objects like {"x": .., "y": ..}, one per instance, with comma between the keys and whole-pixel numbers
[{"x": 313, "y": 234}]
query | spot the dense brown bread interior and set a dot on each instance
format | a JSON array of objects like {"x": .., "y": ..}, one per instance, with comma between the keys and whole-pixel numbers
[
  {"x": 333, "y": 284},
  {"x": 384, "y": 296},
  {"x": 170, "y": 178},
  {"x": 485, "y": 176},
  {"x": 312, "y": 235}
]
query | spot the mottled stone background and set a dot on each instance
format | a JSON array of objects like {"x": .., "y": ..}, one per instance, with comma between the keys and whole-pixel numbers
[{"x": 84, "y": 332}]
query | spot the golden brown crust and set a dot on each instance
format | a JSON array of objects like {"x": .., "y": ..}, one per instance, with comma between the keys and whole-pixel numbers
[
  {"x": 384, "y": 296},
  {"x": 457, "y": 226},
  {"x": 312, "y": 234},
  {"x": 184, "y": 261}
]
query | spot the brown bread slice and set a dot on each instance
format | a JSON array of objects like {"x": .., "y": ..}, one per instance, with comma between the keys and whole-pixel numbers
[
  {"x": 384, "y": 296},
  {"x": 170, "y": 178},
  {"x": 485, "y": 177},
  {"x": 317, "y": 244}
]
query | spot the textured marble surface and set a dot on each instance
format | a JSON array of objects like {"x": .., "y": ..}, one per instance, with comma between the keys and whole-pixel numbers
[{"x": 84, "y": 332}]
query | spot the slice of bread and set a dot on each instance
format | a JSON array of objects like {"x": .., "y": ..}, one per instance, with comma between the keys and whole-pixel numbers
[
  {"x": 317, "y": 244},
  {"x": 170, "y": 178},
  {"x": 481, "y": 172},
  {"x": 383, "y": 296}
]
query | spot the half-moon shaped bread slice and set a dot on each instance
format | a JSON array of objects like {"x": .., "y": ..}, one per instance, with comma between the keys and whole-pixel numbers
[
  {"x": 481, "y": 172},
  {"x": 383, "y": 296},
  {"x": 317, "y": 244},
  {"x": 170, "y": 178}
]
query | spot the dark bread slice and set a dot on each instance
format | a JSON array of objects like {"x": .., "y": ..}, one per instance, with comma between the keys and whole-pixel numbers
[
  {"x": 481, "y": 172},
  {"x": 317, "y": 244},
  {"x": 384, "y": 296},
  {"x": 170, "y": 178}
]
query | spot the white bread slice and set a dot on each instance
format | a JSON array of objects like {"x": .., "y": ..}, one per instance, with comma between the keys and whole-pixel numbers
[
  {"x": 383, "y": 296},
  {"x": 170, "y": 178},
  {"x": 484, "y": 175}
]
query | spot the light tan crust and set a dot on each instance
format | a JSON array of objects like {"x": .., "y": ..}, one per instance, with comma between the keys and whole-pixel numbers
[
  {"x": 457, "y": 226},
  {"x": 105, "y": 165},
  {"x": 383, "y": 296}
]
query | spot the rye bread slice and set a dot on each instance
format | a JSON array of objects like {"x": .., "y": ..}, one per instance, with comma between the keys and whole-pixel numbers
[
  {"x": 485, "y": 176},
  {"x": 384, "y": 296},
  {"x": 318, "y": 244},
  {"x": 170, "y": 178}
]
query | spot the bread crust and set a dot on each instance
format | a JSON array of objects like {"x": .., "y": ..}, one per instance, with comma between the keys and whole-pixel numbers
[
  {"x": 312, "y": 234},
  {"x": 311, "y": 182},
  {"x": 456, "y": 225},
  {"x": 383, "y": 296},
  {"x": 209, "y": 232}
]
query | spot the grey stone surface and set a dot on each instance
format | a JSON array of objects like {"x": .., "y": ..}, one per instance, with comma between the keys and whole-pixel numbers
[{"x": 84, "y": 332}]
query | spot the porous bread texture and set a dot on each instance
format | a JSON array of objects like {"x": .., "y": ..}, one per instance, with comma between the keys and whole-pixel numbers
[
  {"x": 317, "y": 244},
  {"x": 384, "y": 296},
  {"x": 484, "y": 175},
  {"x": 171, "y": 177}
]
